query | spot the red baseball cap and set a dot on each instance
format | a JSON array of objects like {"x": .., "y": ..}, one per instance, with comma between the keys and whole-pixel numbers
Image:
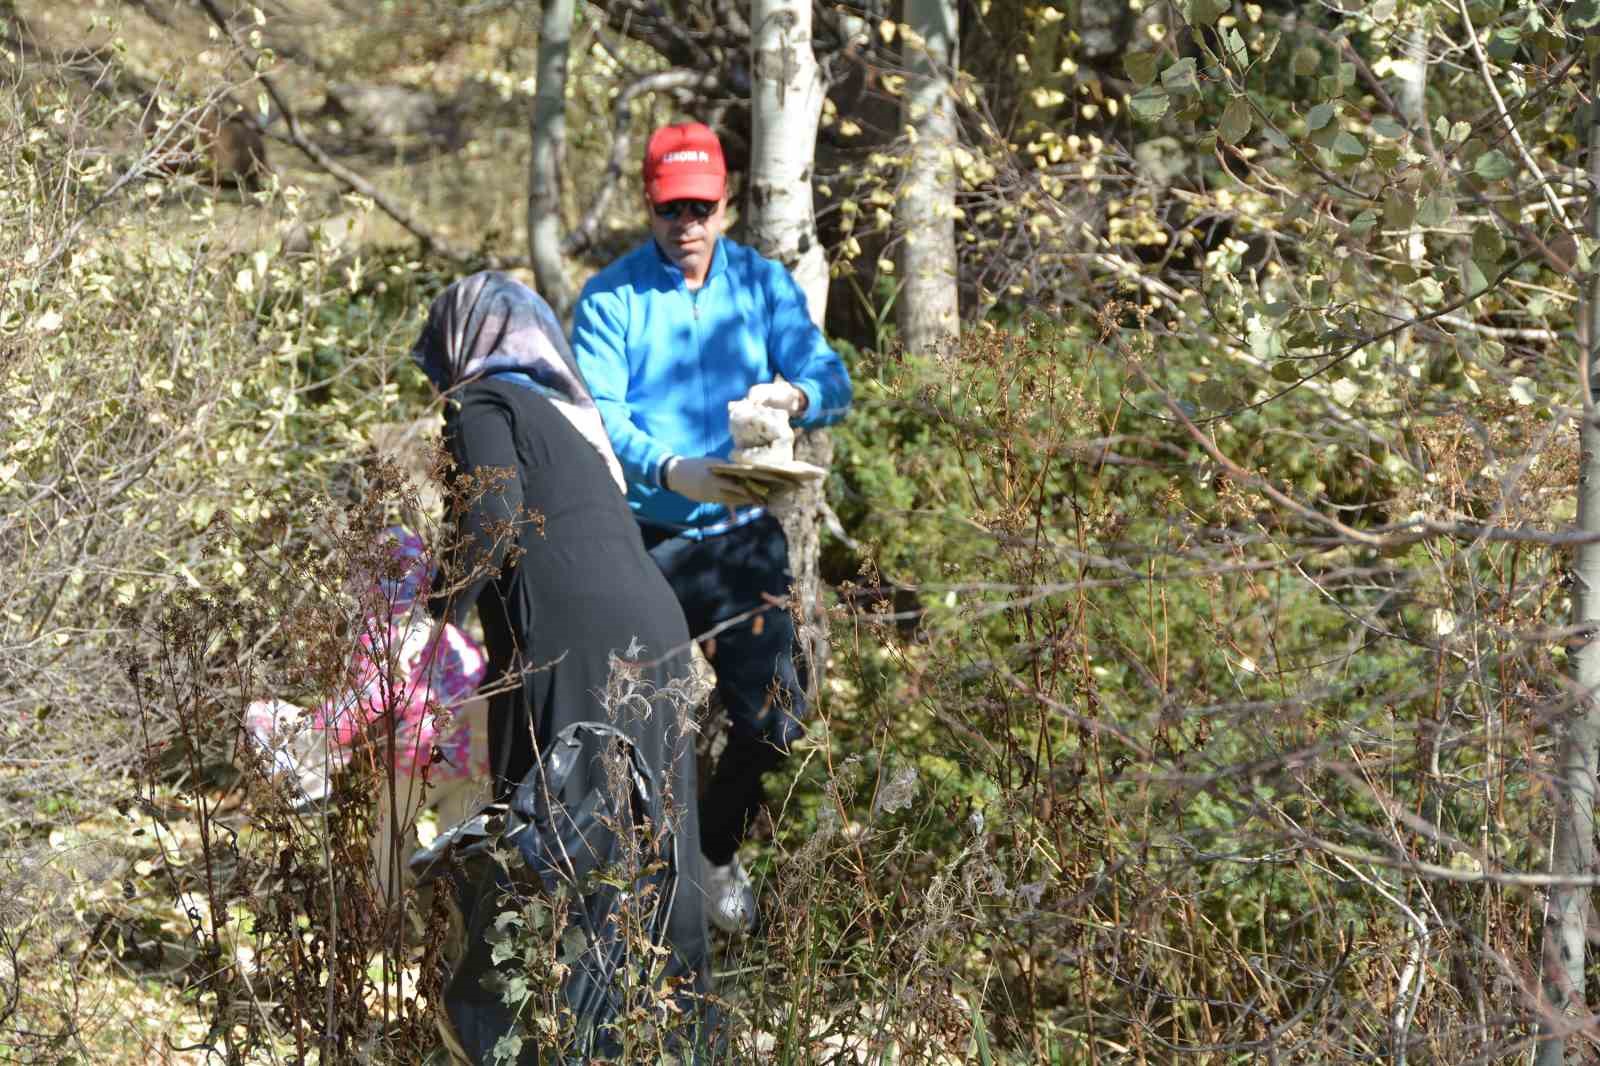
[{"x": 684, "y": 162}]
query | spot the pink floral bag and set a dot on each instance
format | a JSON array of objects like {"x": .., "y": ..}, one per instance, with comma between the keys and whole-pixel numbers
[{"x": 393, "y": 670}]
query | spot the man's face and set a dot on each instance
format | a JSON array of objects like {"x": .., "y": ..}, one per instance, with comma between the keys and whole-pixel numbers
[{"x": 687, "y": 231}]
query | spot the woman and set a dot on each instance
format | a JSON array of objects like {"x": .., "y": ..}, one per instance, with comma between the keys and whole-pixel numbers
[{"x": 553, "y": 561}]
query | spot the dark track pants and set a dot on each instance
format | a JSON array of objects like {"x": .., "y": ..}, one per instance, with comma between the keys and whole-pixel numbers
[{"x": 717, "y": 579}]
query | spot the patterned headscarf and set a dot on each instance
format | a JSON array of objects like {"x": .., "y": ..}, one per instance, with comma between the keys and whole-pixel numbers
[{"x": 490, "y": 324}]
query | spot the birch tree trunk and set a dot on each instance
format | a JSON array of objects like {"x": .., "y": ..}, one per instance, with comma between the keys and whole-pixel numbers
[
  {"x": 1568, "y": 907},
  {"x": 786, "y": 104},
  {"x": 549, "y": 130},
  {"x": 928, "y": 314}
]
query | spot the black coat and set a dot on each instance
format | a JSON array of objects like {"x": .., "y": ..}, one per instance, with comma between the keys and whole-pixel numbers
[{"x": 578, "y": 588}]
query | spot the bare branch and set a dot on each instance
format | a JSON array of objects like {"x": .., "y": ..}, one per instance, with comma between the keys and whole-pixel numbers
[
  {"x": 584, "y": 233},
  {"x": 430, "y": 238},
  {"x": 1505, "y": 116}
]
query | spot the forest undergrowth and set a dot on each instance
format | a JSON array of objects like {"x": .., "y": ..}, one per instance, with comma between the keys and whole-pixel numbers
[{"x": 1119, "y": 760}]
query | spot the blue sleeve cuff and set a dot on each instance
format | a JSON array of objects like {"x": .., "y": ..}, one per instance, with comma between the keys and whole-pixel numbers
[
  {"x": 656, "y": 468},
  {"x": 813, "y": 413}
]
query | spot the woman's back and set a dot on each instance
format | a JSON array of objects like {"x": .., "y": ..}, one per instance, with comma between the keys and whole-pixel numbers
[
  {"x": 580, "y": 549},
  {"x": 551, "y": 557}
]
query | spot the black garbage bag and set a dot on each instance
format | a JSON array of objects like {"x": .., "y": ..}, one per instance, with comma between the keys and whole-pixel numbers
[{"x": 564, "y": 894}]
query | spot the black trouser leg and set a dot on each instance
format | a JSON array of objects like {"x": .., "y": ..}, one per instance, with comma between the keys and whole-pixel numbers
[
  {"x": 738, "y": 575},
  {"x": 735, "y": 796}
]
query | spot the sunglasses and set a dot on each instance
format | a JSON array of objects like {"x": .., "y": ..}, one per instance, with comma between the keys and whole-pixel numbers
[{"x": 699, "y": 210}]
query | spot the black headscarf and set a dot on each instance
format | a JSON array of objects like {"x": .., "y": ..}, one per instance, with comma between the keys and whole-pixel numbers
[{"x": 490, "y": 324}]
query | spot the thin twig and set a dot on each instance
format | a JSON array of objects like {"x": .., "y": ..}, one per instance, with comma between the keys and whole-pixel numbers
[
  {"x": 584, "y": 233},
  {"x": 1449, "y": 873},
  {"x": 1505, "y": 116}
]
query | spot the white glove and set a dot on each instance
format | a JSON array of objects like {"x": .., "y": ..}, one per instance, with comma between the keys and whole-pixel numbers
[
  {"x": 694, "y": 478},
  {"x": 780, "y": 394}
]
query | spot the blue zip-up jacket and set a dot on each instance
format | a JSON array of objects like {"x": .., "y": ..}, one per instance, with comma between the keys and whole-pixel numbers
[{"x": 664, "y": 361}]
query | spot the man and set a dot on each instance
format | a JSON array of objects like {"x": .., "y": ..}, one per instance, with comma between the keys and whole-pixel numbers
[{"x": 666, "y": 336}]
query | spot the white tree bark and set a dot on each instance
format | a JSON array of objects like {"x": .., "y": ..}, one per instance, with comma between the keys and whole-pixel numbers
[
  {"x": 786, "y": 104},
  {"x": 1569, "y": 907},
  {"x": 928, "y": 313},
  {"x": 549, "y": 129}
]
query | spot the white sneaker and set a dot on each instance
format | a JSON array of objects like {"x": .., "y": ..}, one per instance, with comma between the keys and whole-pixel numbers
[{"x": 730, "y": 898}]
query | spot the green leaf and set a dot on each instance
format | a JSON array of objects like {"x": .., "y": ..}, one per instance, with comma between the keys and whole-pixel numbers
[
  {"x": 1503, "y": 43},
  {"x": 1582, "y": 260},
  {"x": 1487, "y": 243},
  {"x": 1429, "y": 291},
  {"x": 1233, "y": 44},
  {"x": 1385, "y": 155},
  {"x": 1437, "y": 209},
  {"x": 1265, "y": 342},
  {"x": 1363, "y": 223},
  {"x": 1349, "y": 147},
  {"x": 1319, "y": 116},
  {"x": 1180, "y": 77},
  {"x": 1305, "y": 61},
  {"x": 1215, "y": 394},
  {"x": 1399, "y": 209},
  {"x": 1473, "y": 280},
  {"x": 1149, "y": 103},
  {"x": 507, "y": 1048},
  {"x": 1141, "y": 66},
  {"x": 1206, "y": 12},
  {"x": 1286, "y": 370},
  {"x": 1235, "y": 123},
  {"x": 1384, "y": 126},
  {"x": 1493, "y": 165},
  {"x": 980, "y": 1036}
]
